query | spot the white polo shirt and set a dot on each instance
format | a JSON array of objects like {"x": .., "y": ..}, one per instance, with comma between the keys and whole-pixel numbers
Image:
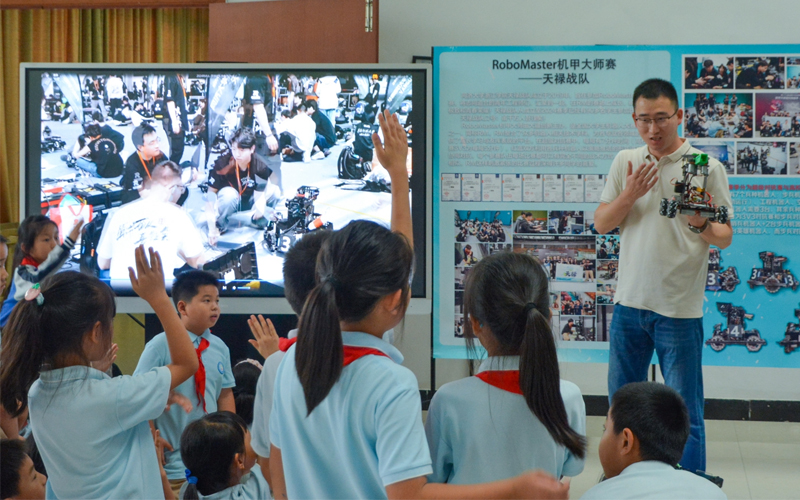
[
  {"x": 663, "y": 265},
  {"x": 92, "y": 431},
  {"x": 655, "y": 480},
  {"x": 479, "y": 433},
  {"x": 365, "y": 435}
]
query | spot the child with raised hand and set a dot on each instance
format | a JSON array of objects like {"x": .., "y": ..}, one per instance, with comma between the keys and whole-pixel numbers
[
  {"x": 91, "y": 429},
  {"x": 643, "y": 439},
  {"x": 219, "y": 460},
  {"x": 196, "y": 297},
  {"x": 36, "y": 256},
  {"x": 515, "y": 414},
  {"x": 346, "y": 418},
  {"x": 18, "y": 477}
]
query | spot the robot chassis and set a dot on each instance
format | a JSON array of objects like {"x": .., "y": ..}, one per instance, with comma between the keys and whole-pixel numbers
[
  {"x": 690, "y": 199},
  {"x": 734, "y": 332}
]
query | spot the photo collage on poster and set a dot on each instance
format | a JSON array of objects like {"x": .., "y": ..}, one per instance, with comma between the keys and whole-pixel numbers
[
  {"x": 581, "y": 264},
  {"x": 744, "y": 111}
]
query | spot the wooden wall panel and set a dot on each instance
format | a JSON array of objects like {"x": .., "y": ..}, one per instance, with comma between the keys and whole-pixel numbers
[
  {"x": 292, "y": 31},
  {"x": 104, "y": 4}
]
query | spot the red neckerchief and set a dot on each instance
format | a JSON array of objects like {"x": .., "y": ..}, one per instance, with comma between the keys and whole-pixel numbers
[
  {"x": 29, "y": 261},
  {"x": 200, "y": 374},
  {"x": 507, "y": 380},
  {"x": 351, "y": 353}
]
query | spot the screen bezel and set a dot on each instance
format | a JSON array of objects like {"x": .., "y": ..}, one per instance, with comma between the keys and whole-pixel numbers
[{"x": 30, "y": 160}]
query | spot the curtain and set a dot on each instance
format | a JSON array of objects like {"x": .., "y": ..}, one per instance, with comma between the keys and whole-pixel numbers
[{"x": 83, "y": 35}]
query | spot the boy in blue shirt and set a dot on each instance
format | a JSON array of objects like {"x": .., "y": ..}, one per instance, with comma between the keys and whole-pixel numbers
[{"x": 196, "y": 296}]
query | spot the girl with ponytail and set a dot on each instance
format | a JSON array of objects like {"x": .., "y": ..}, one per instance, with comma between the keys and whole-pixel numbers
[
  {"x": 515, "y": 414},
  {"x": 91, "y": 429},
  {"x": 346, "y": 419}
]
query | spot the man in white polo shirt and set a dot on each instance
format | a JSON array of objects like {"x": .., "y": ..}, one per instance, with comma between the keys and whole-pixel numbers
[{"x": 663, "y": 262}]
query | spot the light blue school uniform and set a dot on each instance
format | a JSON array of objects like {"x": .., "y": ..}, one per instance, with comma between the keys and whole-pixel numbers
[
  {"x": 219, "y": 375},
  {"x": 92, "y": 432},
  {"x": 479, "y": 433},
  {"x": 252, "y": 487},
  {"x": 365, "y": 435},
  {"x": 655, "y": 480}
]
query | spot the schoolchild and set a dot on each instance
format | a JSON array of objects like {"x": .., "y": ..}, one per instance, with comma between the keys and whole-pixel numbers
[
  {"x": 246, "y": 373},
  {"x": 219, "y": 460},
  {"x": 196, "y": 297},
  {"x": 91, "y": 430},
  {"x": 515, "y": 414},
  {"x": 643, "y": 439},
  {"x": 18, "y": 477},
  {"x": 36, "y": 256},
  {"x": 346, "y": 415}
]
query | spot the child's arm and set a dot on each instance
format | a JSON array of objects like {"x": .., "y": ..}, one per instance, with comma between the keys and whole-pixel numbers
[
  {"x": 533, "y": 485},
  {"x": 226, "y": 401},
  {"x": 276, "y": 474},
  {"x": 392, "y": 154},
  {"x": 148, "y": 283},
  {"x": 27, "y": 276},
  {"x": 265, "y": 338}
]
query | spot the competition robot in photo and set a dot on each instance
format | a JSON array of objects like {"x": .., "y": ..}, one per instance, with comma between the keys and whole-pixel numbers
[{"x": 663, "y": 262}]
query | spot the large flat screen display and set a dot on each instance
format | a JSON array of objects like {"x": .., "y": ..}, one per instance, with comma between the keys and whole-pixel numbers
[{"x": 219, "y": 168}]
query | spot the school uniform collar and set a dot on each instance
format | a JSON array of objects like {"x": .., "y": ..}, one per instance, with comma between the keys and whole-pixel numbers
[
  {"x": 673, "y": 157},
  {"x": 647, "y": 467},
  {"x": 361, "y": 339},
  {"x": 196, "y": 338},
  {"x": 292, "y": 334},
  {"x": 499, "y": 363},
  {"x": 70, "y": 373}
]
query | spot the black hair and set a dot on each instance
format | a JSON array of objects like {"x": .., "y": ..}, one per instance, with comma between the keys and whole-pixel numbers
[
  {"x": 707, "y": 63},
  {"x": 357, "y": 266},
  {"x": 3, "y": 240},
  {"x": 656, "y": 415},
  {"x": 243, "y": 137},
  {"x": 12, "y": 455},
  {"x": 508, "y": 292},
  {"x": 655, "y": 88},
  {"x": 91, "y": 129},
  {"x": 137, "y": 136},
  {"x": 208, "y": 448},
  {"x": 311, "y": 103},
  {"x": 30, "y": 228},
  {"x": 246, "y": 375},
  {"x": 187, "y": 285},
  {"x": 299, "y": 268},
  {"x": 73, "y": 303}
]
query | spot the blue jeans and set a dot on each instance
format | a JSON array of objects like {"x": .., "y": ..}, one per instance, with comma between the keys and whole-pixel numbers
[
  {"x": 678, "y": 343},
  {"x": 87, "y": 165}
]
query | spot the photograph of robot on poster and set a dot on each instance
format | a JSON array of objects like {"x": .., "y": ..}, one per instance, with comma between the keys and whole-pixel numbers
[{"x": 259, "y": 159}]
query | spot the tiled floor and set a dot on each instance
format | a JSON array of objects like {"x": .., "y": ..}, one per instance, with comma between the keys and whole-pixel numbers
[{"x": 757, "y": 460}]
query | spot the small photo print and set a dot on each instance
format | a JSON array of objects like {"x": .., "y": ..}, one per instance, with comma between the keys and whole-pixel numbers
[
  {"x": 761, "y": 158},
  {"x": 604, "y": 316},
  {"x": 760, "y": 72},
  {"x": 530, "y": 221},
  {"x": 607, "y": 271},
  {"x": 565, "y": 222},
  {"x": 483, "y": 226},
  {"x": 555, "y": 305},
  {"x": 493, "y": 248},
  {"x": 608, "y": 247},
  {"x": 468, "y": 254},
  {"x": 794, "y": 159},
  {"x": 577, "y": 303},
  {"x": 778, "y": 115},
  {"x": 605, "y": 293},
  {"x": 723, "y": 151},
  {"x": 564, "y": 258},
  {"x": 708, "y": 72},
  {"x": 461, "y": 277},
  {"x": 459, "y": 303},
  {"x": 459, "y": 326},
  {"x": 718, "y": 115},
  {"x": 793, "y": 76},
  {"x": 577, "y": 329}
]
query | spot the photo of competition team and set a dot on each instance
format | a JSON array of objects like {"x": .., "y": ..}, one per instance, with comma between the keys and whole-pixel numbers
[
  {"x": 249, "y": 160},
  {"x": 761, "y": 158},
  {"x": 760, "y": 72},
  {"x": 710, "y": 72},
  {"x": 778, "y": 115},
  {"x": 718, "y": 115},
  {"x": 723, "y": 151},
  {"x": 483, "y": 226}
]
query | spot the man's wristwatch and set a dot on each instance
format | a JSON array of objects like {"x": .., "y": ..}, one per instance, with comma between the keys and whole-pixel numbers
[{"x": 700, "y": 229}]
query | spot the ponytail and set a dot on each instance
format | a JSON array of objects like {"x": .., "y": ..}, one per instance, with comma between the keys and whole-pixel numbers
[
  {"x": 42, "y": 334},
  {"x": 540, "y": 382},
  {"x": 208, "y": 448},
  {"x": 508, "y": 292},
  {"x": 356, "y": 267}
]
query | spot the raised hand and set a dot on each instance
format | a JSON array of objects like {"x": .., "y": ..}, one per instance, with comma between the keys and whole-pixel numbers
[
  {"x": 76, "y": 229},
  {"x": 265, "y": 339},
  {"x": 148, "y": 279},
  {"x": 104, "y": 364},
  {"x": 393, "y": 151},
  {"x": 176, "y": 398},
  {"x": 641, "y": 181}
]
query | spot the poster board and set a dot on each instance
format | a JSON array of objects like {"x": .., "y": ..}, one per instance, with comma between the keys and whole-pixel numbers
[{"x": 523, "y": 139}]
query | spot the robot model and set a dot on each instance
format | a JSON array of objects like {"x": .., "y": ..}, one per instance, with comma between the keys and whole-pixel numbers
[
  {"x": 772, "y": 276},
  {"x": 791, "y": 340},
  {"x": 281, "y": 235},
  {"x": 734, "y": 332},
  {"x": 690, "y": 199},
  {"x": 719, "y": 279}
]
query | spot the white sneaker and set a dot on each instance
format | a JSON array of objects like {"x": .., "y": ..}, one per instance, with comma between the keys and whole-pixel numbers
[{"x": 319, "y": 155}]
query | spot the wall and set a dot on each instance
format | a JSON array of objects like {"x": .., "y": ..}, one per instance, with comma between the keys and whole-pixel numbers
[{"x": 412, "y": 27}]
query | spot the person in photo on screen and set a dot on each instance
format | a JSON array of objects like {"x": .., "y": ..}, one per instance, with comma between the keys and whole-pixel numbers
[
  {"x": 141, "y": 163},
  {"x": 154, "y": 220},
  {"x": 176, "y": 119},
  {"x": 259, "y": 114},
  {"x": 663, "y": 313},
  {"x": 97, "y": 150},
  {"x": 297, "y": 134}
]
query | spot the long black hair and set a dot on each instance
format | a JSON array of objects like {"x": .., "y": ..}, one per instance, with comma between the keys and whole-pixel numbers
[
  {"x": 208, "y": 447},
  {"x": 42, "y": 334},
  {"x": 244, "y": 394},
  {"x": 508, "y": 293},
  {"x": 357, "y": 266}
]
